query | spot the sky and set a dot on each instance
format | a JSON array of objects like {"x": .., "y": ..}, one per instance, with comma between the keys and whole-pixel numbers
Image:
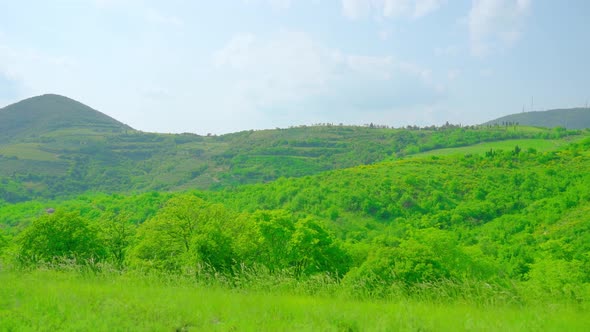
[{"x": 223, "y": 66}]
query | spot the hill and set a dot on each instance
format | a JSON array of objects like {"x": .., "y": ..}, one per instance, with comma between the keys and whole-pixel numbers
[
  {"x": 53, "y": 146},
  {"x": 481, "y": 217},
  {"x": 507, "y": 226},
  {"x": 570, "y": 118},
  {"x": 39, "y": 115}
]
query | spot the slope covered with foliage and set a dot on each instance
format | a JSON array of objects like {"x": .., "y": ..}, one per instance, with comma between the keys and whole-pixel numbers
[
  {"x": 511, "y": 225},
  {"x": 54, "y": 147},
  {"x": 455, "y": 221}
]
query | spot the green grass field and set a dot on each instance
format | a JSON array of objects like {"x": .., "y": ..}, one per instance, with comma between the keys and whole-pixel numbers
[
  {"x": 72, "y": 301},
  {"x": 540, "y": 145},
  {"x": 29, "y": 151}
]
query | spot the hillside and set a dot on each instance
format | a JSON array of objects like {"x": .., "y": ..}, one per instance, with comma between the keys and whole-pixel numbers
[
  {"x": 570, "y": 118},
  {"x": 481, "y": 218},
  {"x": 56, "y": 147},
  {"x": 503, "y": 226},
  {"x": 33, "y": 117}
]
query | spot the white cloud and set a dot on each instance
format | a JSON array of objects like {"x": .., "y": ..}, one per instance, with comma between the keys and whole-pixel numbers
[
  {"x": 425, "y": 7},
  {"x": 453, "y": 74},
  {"x": 299, "y": 79},
  {"x": 279, "y": 70},
  {"x": 157, "y": 93},
  {"x": 376, "y": 67},
  {"x": 449, "y": 50},
  {"x": 486, "y": 72},
  {"x": 385, "y": 33},
  {"x": 104, "y": 3},
  {"x": 114, "y": 3},
  {"x": 21, "y": 64},
  {"x": 140, "y": 8},
  {"x": 9, "y": 88},
  {"x": 280, "y": 4},
  {"x": 495, "y": 23},
  {"x": 355, "y": 9},
  {"x": 154, "y": 16},
  {"x": 275, "y": 4}
]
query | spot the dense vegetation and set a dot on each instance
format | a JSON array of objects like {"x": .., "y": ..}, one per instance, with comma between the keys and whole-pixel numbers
[
  {"x": 444, "y": 220},
  {"x": 58, "y": 148},
  {"x": 515, "y": 220}
]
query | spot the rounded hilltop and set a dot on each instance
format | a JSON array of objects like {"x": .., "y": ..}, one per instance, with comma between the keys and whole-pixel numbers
[{"x": 43, "y": 114}]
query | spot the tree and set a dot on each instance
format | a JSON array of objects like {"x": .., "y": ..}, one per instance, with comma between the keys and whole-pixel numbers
[
  {"x": 557, "y": 278},
  {"x": 517, "y": 150},
  {"x": 274, "y": 229},
  {"x": 3, "y": 241},
  {"x": 187, "y": 233},
  {"x": 60, "y": 235},
  {"x": 212, "y": 242},
  {"x": 117, "y": 233},
  {"x": 165, "y": 241},
  {"x": 312, "y": 249},
  {"x": 427, "y": 255}
]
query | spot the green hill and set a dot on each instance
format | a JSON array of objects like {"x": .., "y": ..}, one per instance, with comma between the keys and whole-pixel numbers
[
  {"x": 570, "y": 118},
  {"x": 36, "y": 116},
  {"x": 501, "y": 226},
  {"x": 480, "y": 217},
  {"x": 52, "y": 146}
]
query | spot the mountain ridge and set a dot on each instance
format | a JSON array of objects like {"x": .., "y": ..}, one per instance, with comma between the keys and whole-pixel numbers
[
  {"x": 569, "y": 118},
  {"x": 62, "y": 147},
  {"x": 48, "y": 112}
]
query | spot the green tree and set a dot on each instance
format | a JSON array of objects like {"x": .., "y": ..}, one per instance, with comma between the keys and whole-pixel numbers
[
  {"x": 212, "y": 241},
  {"x": 313, "y": 249},
  {"x": 117, "y": 233},
  {"x": 558, "y": 278},
  {"x": 517, "y": 150},
  {"x": 426, "y": 255},
  {"x": 3, "y": 241},
  {"x": 274, "y": 229},
  {"x": 60, "y": 235},
  {"x": 165, "y": 241}
]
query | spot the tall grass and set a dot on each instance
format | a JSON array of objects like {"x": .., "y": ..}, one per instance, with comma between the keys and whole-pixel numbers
[{"x": 74, "y": 298}]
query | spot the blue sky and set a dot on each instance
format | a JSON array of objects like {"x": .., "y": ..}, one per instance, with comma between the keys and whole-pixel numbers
[{"x": 224, "y": 66}]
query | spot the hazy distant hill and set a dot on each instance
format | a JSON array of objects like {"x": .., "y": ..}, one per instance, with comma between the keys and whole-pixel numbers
[
  {"x": 42, "y": 114},
  {"x": 570, "y": 118}
]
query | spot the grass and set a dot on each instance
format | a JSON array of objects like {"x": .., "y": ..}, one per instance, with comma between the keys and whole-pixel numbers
[
  {"x": 73, "y": 301},
  {"x": 540, "y": 145},
  {"x": 31, "y": 151}
]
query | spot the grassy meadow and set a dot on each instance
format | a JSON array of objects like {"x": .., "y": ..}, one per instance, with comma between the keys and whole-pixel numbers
[
  {"x": 541, "y": 145},
  {"x": 48, "y": 300}
]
